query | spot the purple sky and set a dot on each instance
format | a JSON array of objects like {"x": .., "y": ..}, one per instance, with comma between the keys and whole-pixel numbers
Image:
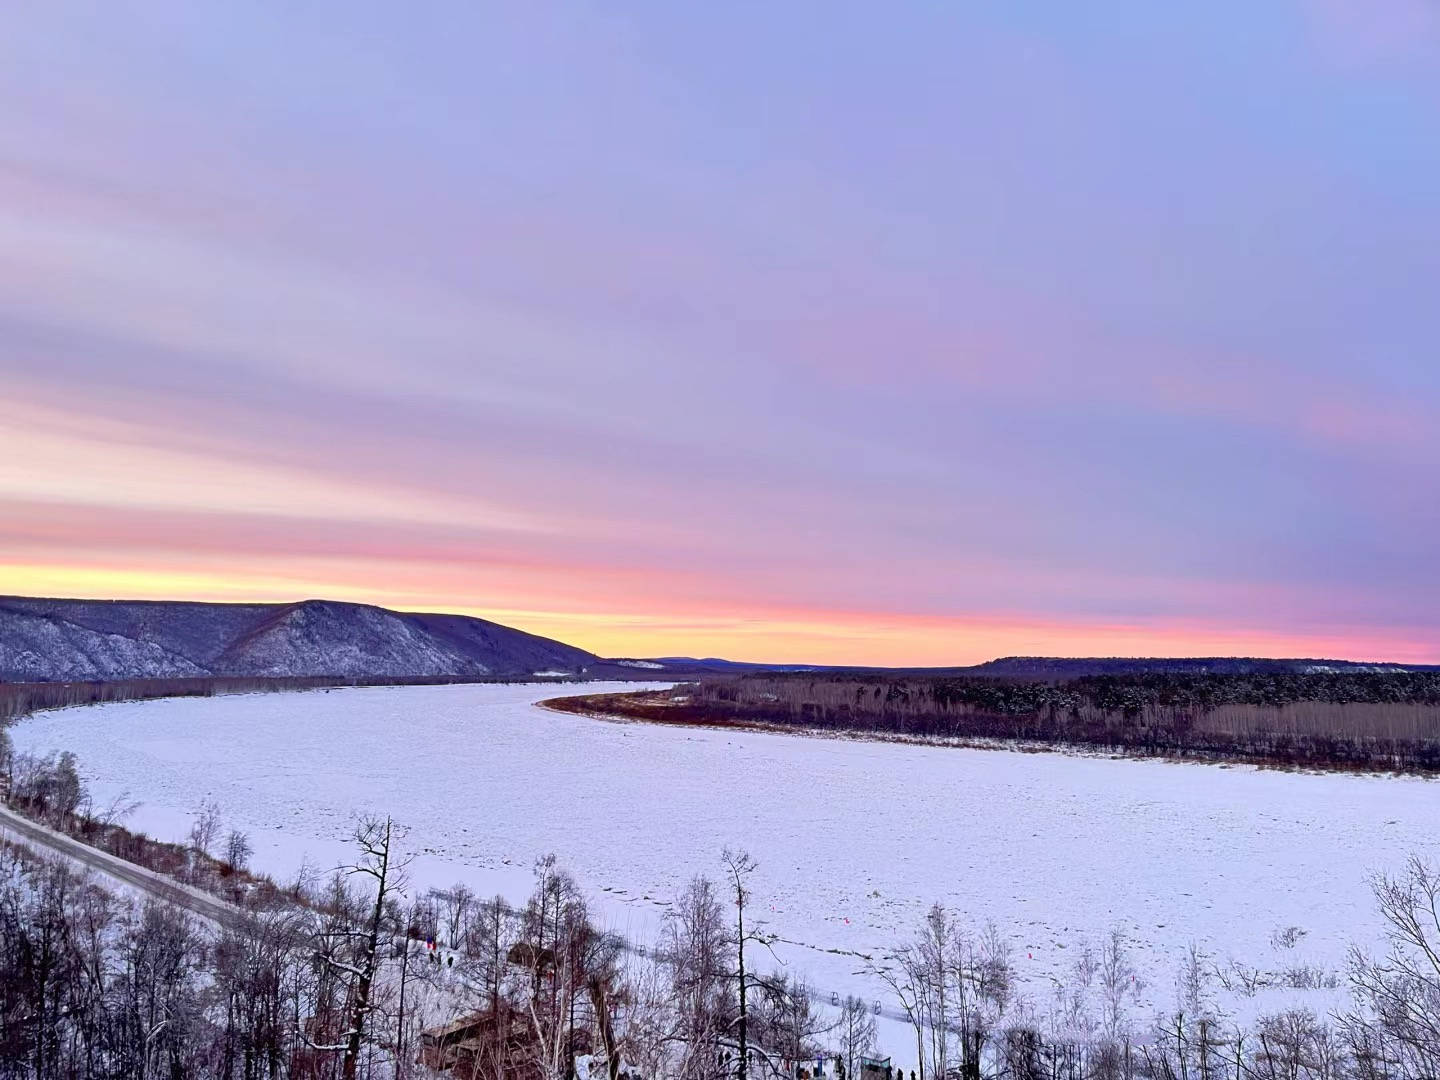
[{"x": 904, "y": 333}]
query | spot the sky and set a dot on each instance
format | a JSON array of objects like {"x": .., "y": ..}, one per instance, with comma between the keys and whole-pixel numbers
[{"x": 855, "y": 333}]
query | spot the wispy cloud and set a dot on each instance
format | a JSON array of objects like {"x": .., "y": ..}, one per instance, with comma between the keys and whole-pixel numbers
[{"x": 948, "y": 335}]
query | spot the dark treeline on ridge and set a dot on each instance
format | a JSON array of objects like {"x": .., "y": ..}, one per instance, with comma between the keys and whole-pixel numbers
[
  {"x": 21, "y": 699},
  {"x": 1388, "y": 720}
]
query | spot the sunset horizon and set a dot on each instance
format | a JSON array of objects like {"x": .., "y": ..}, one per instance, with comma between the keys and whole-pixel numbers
[
  {"x": 852, "y": 639},
  {"x": 745, "y": 541},
  {"x": 916, "y": 340}
]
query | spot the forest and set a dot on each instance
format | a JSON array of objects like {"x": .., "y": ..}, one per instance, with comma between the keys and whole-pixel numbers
[
  {"x": 1345, "y": 720},
  {"x": 21, "y": 699}
]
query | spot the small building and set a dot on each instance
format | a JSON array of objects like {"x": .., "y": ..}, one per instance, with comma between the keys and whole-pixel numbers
[
  {"x": 456, "y": 1043},
  {"x": 483, "y": 1044}
]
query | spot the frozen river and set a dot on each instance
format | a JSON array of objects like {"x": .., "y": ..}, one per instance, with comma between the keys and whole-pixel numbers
[{"x": 854, "y": 839}]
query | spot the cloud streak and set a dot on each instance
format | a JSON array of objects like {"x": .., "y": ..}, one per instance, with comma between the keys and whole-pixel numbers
[{"x": 940, "y": 337}]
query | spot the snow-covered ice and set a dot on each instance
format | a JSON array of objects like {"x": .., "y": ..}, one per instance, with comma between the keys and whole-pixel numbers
[{"x": 854, "y": 839}]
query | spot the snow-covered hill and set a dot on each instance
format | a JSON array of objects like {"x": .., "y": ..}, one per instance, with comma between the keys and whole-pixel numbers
[
  {"x": 37, "y": 647},
  {"x": 46, "y": 639}
]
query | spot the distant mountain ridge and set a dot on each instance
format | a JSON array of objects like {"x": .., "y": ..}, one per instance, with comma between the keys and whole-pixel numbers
[
  {"x": 43, "y": 639},
  {"x": 1056, "y": 667},
  {"x": 1060, "y": 667},
  {"x": 60, "y": 640}
]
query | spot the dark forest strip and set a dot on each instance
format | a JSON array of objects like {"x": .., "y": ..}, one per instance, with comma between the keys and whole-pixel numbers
[{"x": 1346, "y": 721}]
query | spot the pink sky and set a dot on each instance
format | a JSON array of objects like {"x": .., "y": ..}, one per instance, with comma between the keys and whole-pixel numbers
[{"x": 914, "y": 339}]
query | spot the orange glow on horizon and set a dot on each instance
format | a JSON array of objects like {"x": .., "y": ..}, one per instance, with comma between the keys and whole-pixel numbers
[{"x": 893, "y": 639}]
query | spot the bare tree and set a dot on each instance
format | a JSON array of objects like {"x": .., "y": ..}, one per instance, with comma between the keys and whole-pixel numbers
[
  {"x": 454, "y": 904},
  {"x": 571, "y": 965},
  {"x": 948, "y": 982},
  {"x": 257, "y": 963},
  {"x": 237, "y": 850},
  {"x": 1120, "y": 984},
  {"x": 349, "y": 949},
  {"x": 738, "y": 868},
  {"x": 786, "y": 1020},
  {"x": 855, "y": 1035},
  {"x": 205, "y": 828},
  {"x": 903, "y": 973},
  {"x": 68, "y": 789},
  {"x": 938, "y": 946},
  {"x": 694, "y": 947},
  {"x": 373, "y": 838},
  {"x": 654, "y": 1022},
  {"x": 1074, "y": 1019},
  {"x": 7, "y": 764},
  {"x": 1396, "y": 1024}
]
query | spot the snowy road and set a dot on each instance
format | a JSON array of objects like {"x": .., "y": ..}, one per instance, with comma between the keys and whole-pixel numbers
[
  {"x": 117, "y": 870},
  {"x": 854, "y": 839}
]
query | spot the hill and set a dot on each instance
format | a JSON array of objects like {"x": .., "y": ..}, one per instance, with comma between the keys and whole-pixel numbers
[{"x": 67, "y": 640}]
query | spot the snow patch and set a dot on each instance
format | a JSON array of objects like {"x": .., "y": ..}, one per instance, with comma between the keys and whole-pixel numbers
[{"x": 855, "y": 839}]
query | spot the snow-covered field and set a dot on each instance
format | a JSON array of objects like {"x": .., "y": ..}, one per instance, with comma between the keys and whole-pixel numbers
[{"x": 854, "y": 839}]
